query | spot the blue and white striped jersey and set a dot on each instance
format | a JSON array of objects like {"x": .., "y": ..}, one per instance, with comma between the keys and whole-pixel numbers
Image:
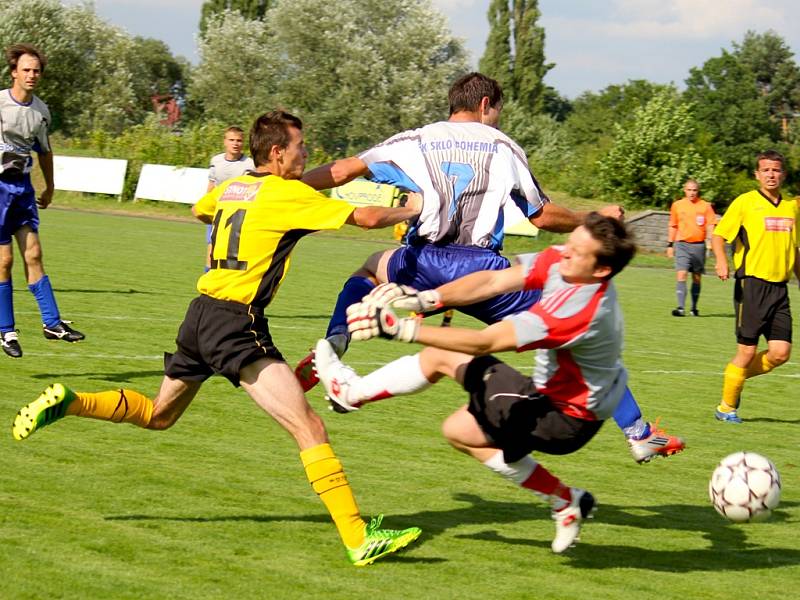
[{"x": 466, "y": 173}]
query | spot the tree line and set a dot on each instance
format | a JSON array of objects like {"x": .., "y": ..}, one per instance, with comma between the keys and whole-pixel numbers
[{"x": 358, "y": 71}]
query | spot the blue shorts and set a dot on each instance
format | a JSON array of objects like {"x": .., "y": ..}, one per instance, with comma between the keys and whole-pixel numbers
[
  {"x": 428, "y": 266},
  {"x": 209, "y": 231},
  {"x": 17, "y": 206}
]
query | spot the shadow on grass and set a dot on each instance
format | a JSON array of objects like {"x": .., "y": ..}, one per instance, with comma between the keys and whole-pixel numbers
[
  {"x": 727, "y": 546},
  {"x": 771, "y": 420},
  {"x": 124, "y": 377},
  {"x": 85, "y": 291}
]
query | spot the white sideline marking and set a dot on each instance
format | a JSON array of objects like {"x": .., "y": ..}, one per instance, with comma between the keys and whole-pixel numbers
[{"x": 686, "y": 372}]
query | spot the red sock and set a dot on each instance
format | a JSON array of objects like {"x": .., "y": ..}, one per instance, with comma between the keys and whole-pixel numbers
[{"x": 545, "y": 483}]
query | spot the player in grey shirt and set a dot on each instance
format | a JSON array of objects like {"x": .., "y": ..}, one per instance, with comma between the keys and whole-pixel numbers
[
  {"x": 24, "y": 119},
  {"x": 227, "y": 165}
]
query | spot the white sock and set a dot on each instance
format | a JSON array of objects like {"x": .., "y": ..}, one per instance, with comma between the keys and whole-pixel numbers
[
  {"x": 518, "y": 472},
  {"x": 399, "y": 377},
  {"x": 635, "y": 431}
]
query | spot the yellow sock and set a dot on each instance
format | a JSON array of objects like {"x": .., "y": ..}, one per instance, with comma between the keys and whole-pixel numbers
[
  {"x": 119, "y": 406},
  {"x": 732, "y": 384},
  {"x": 327, "y": 477},
  {"x": 759, "y": 365}
]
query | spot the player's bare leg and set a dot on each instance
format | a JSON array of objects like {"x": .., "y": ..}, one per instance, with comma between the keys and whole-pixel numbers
[
  {"x": 570, "y": 506},
  {"x": 273, "y": 386},
  {"x": 118, "y": 406}
]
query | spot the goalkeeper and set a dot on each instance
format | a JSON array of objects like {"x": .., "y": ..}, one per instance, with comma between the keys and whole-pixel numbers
[
  {"x": 578, "y": 377},
  {"x": 467, "y": 171}
]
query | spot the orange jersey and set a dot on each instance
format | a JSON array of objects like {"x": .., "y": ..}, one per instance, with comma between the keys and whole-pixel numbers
[{"x": 689, "y": 221}]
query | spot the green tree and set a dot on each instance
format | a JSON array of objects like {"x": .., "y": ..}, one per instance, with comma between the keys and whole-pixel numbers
[
  {"x": 732, "y": 109},
  {"x": 358, "y": 72},
  {"x": 589, "y": 131},
  {"x": 777, "y": 76},
  {"x": 250, "y": 9},
  {"x": 514, "y": 52},
  {"x": 156, "y": 72},
  {"x": 652, "y": 155},
  {"x": 89, "y": 81},
  {"x": 497, "y": 57},
  {"x": 234, "y": 87}
]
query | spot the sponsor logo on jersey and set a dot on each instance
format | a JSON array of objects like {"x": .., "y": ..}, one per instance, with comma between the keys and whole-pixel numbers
[
  {"x": 780, "y": 224},
  {"x": 240, "y": 192},
  {"x": 467, "y": 145}
]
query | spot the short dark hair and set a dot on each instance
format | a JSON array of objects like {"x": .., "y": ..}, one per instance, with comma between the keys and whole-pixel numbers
[
  {"x": 234, "y": 128},
  {"x": 468, "y": 91},
  {"x": 616, "y": 242},
  {"x": 268, "y": 130},
  {"x": 14, "y": 52},
  {"x": 771, "y": 155}
]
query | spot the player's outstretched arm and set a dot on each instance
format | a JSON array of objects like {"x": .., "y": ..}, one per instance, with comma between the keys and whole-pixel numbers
[
  {"x": 366, "y": 321},
  {"x": 560, "y": 219},
  {"x": 335, "y": 173},
  {"x": 375, "y": 217},
  {"x": 481, "y": 285}
]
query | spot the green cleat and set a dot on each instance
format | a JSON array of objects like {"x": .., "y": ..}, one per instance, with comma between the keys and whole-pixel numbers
[
  {"x": 48, "y": 408},
  {"x": 380, "y": 542}
]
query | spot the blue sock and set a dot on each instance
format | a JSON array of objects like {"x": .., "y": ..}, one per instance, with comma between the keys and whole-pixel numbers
[
  {"x": 628, "y": 413},
  {"x": 6, "y": 307},
  {"x": 353, "y": 291},
  {"x": 43, "y": 292}
]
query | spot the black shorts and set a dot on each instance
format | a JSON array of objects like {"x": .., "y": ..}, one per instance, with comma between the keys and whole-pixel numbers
[
  {"x": 762, "y": 308},
  {"x": 517, "y": 418},
  {"x": 220, "y": 337}
]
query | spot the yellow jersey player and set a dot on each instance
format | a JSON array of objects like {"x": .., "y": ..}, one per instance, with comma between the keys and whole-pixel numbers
[
  {"x": 763, "y": 225},
  {"x": 258, "y": 218}
]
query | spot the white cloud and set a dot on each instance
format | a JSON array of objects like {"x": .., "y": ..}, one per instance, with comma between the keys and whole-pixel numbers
[{"x": 690, "y": 19}]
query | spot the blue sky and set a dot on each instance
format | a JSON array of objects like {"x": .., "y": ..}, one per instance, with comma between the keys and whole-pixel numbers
[{"x": 593, "y": 43}]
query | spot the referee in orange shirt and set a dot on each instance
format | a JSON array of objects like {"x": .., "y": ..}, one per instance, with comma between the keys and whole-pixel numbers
[{"x": 691, "y": 223}]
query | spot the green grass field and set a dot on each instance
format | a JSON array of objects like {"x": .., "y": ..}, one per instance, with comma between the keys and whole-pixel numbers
[{"x": 219, "y": 507}]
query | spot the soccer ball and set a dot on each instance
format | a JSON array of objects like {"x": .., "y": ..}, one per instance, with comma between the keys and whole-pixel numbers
[{"x": 745, "y": 486}]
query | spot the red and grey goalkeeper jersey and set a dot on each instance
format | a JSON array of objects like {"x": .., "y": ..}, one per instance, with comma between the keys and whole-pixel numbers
[
  {"x": 466, "y": 173},
  {"x": 577, "y": 332}
]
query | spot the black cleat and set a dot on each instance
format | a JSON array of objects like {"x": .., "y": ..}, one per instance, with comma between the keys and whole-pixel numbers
[
  {"x": 10, "y": 343},
  {"x": 62, "y": 331},
  {"x": 678, "y": 312},
  {"x": 695, "y": 312}
]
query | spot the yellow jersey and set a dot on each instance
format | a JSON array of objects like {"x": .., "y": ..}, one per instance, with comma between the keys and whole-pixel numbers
[
  {"x": 257, "y": 220},
  {"x": 765, "y": 236}
]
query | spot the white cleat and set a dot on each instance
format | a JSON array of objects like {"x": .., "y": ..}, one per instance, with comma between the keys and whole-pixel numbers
[
  {"x": 568, "y": 520},
  {"x": 336, "y": 376}
]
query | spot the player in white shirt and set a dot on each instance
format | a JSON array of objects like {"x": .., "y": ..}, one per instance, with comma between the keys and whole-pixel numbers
[
  {"x": 576, "y": 330},
  {"x": 466, "y": 171},
  {"x": 24, "y": 120},
  {"x": 227, "y": 165}
]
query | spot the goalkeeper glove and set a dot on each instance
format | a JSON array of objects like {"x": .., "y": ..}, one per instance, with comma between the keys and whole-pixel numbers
[
  {"x": 366, "y": 320},
  {"x": 404, "y": 297}
]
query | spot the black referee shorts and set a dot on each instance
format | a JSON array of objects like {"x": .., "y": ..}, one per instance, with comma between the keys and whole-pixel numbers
[
  {"x": 762, "y": 308},
  {"x": 219, "y": 337},
  {"x": 517, "y": 418}
]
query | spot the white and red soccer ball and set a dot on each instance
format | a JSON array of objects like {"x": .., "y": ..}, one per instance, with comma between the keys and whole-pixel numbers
[{"x": 745, "y": 486}]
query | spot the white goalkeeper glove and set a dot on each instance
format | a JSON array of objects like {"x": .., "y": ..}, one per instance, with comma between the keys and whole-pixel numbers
[
  {"x": 403, "y": 297},
  {"x": 366, "y": 320}
]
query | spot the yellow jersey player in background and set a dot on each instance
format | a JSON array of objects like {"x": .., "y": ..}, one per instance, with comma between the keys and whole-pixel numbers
[
  {"x": 763, "y": 226},
  {"x": 258, "y": 218}
]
